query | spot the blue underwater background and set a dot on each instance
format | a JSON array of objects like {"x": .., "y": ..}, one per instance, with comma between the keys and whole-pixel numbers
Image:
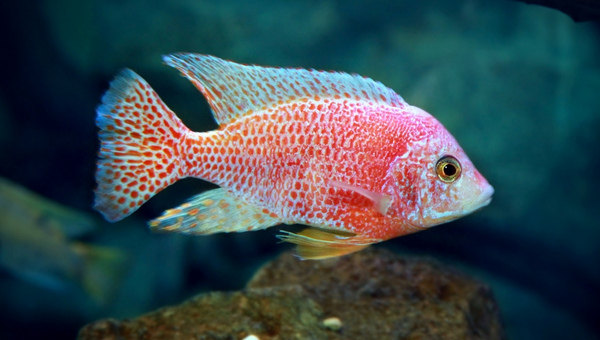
[{"x": 517, "y": 85}]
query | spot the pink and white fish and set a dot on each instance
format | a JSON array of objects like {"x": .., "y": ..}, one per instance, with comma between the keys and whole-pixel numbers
[{"x": 338, "y": 152}]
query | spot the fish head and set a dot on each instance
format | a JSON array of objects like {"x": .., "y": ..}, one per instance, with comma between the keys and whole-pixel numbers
[{"x": 434, "y": 180}]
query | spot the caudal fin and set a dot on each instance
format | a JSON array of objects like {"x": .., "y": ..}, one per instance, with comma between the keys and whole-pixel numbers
[{"x": 141, "y": 143}]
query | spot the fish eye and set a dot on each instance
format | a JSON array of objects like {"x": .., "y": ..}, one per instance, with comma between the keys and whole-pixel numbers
[{"x": 448, "y": 169}]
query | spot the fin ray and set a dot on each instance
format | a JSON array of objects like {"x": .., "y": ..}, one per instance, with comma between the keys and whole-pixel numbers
[
  {"x": 140, "y": 146},
  {"x": 233, "y": 89},
  {"x": 382, "y": 202},
  {"x": 318, "y": 244},
  {"x": 214, "y": 211}
]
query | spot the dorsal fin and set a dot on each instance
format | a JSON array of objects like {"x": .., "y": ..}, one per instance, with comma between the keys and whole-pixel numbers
[{"x": 234, "y": 90}]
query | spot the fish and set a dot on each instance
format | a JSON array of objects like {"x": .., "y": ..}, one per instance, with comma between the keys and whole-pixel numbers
[
  {"x": 38, "y": 243},
  {"x": 340, "y": 153}
]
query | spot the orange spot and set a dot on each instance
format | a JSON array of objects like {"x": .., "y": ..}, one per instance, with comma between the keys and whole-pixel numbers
[
  {"x": 121, "y": 200},
  {"x": 218, "y": 93},
  {"x": 208, "y": 202},
  {"x": 133, "y": 153},
  {"x": 193, "y": 212}
]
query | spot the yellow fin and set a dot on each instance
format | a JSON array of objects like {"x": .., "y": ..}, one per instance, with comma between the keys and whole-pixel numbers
[
  {"x": 318, "y": 244},
  {"x": 103, "y": 270}
]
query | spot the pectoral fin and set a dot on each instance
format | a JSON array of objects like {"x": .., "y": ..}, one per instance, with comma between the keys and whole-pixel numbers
[
  {"x": 382, "y": 202},
  {"x": 318, "y": 244}
]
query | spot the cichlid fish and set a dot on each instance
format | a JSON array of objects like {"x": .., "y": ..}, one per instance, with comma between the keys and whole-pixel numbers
[
  {"x": 36, "y": 244},
  {"x": 338, "y": 152}
]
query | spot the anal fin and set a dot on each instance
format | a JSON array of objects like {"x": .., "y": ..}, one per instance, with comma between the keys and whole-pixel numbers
[
  {"x": 318, "y": 244},
  {"x": 214, "y": 211}
]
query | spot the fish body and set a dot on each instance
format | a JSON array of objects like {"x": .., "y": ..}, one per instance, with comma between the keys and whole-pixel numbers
[
  {"x": 338, "y": 152},
  {"x": 36, "y": 244}
]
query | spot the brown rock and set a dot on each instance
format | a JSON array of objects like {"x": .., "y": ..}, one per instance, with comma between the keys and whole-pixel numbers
[
  {"x": 375, "y": 294},
  {"x": 279, "y": 313},
  {"x": 380, "y": 295}
]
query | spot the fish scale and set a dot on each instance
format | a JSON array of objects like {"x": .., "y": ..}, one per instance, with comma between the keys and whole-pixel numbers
[
  {"x": 334, "y": 151},
  {"x": 279, "y": 166}
]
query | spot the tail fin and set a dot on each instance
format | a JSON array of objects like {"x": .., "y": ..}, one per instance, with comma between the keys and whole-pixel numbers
[
  {"x": 141, "y": 143},
  {"x": 103, "y": 271}
]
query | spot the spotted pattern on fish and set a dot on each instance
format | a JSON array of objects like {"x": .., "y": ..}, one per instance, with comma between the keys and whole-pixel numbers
[
  {"x": 262, "y": 158},
  {"x": 140, "y": 138},
  {"x": 331, "y": 150},
  {"x": 235, "y": 90}
]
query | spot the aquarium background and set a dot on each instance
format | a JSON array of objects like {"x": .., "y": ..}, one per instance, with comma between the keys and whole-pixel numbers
[{"x": 517, "y": 85}]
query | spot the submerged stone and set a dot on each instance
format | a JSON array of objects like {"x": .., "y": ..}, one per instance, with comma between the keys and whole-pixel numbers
[{"x": 375, "y": 294}]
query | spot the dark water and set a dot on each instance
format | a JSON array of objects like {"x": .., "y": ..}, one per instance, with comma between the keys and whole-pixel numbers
[{"x": 517, "y": 85}]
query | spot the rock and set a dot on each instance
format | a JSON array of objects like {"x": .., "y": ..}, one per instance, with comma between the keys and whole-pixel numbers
[
  {"x": 377, "y": 294},
  {"x": 373, "y": 294},
  {"x": 275, "y": 313}
]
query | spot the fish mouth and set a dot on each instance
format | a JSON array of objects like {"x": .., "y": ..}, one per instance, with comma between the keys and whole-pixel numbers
[
  {"x": 467, "y": 208},
  {"x": 483, "y": 200}
]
